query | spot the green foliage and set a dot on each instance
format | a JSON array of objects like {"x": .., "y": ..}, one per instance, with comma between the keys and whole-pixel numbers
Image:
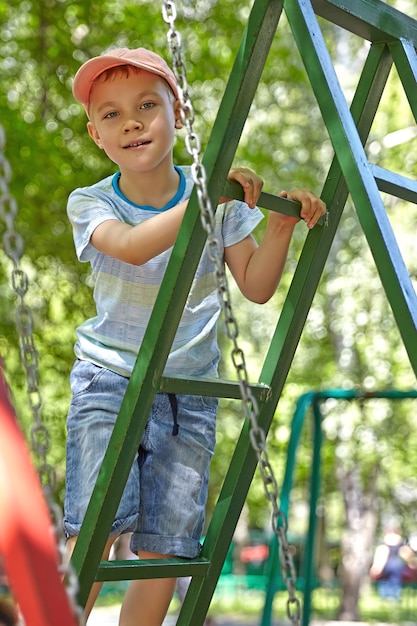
[{"x": 350, "y": 338}]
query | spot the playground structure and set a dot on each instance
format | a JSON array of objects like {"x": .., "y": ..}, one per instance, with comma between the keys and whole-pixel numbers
[
  {"x": 313, "y": 400},
  {"x": 27, "y": 543},
  {"x": 393, "y": 38}
]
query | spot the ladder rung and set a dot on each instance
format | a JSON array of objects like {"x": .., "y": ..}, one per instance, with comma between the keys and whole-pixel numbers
[
  {"x": 152, "y": 568},
  {"x": 395, "y": 184},
  {"x": 210, "y": 387},
  {"x": 269, "y": 201},
  {"x": 265, "y": 200}
]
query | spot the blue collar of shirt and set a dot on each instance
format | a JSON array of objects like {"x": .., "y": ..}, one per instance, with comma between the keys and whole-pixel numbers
[{"x": 173, "y": 202}]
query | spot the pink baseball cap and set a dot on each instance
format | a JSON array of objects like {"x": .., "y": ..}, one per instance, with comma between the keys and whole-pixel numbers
[{"x": 139, "y": 57}]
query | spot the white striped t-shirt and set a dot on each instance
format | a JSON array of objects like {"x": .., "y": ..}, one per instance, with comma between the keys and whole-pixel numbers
[{"x": 124, "y": 294}]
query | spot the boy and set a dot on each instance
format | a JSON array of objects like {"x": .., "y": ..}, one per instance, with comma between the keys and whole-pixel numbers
[{"x": 125, "y": 226}]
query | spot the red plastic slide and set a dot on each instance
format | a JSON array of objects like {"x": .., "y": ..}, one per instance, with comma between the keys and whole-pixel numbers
[{"x": 26, "y": 532}]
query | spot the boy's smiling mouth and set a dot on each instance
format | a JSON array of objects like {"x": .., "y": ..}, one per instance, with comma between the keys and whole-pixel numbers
[{"x": 136, "y": 144}]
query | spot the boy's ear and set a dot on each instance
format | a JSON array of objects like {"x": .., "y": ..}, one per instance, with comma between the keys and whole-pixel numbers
[
  {"x": 178, "y": 120},
  {"x": 92, "y": 131}
]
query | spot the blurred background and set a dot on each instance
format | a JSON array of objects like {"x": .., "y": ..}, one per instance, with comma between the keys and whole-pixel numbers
[{"x": 350, "y": 341}]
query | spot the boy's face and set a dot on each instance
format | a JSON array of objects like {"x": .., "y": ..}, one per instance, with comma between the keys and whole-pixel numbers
[{"x": 133, "y": 118}]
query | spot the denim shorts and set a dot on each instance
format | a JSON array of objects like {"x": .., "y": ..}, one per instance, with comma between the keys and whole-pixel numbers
[{"x": 164, "y": 499}]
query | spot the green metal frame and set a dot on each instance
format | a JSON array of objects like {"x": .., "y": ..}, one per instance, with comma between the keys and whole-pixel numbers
[
  {"x": 394, "y": 38},
  {"x": 313, "y": 400}
]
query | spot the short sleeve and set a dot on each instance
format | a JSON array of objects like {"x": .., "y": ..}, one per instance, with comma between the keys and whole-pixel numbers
[
  {"x": 86, "y": 211},
  {"x": 239, "y": 221}
]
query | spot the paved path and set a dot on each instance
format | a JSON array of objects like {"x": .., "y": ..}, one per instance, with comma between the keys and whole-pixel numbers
[{"x": 108, "y": 616}]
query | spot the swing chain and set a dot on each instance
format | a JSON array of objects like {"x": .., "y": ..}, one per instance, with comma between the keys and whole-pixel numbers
[
  {"x": 249, "y": 403},
  {"x": 13, "y": 245},
  {"x": 39, "y": 433}
]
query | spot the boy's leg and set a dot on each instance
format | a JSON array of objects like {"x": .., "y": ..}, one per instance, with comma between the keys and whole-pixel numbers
[
  {"x": 174, "y": 468},
  {"x": 121, "y": 549},
  {"x": 95, "y": 589},
  {"x": 147, "y": 601},
  {"x": 97, "y": 396}
]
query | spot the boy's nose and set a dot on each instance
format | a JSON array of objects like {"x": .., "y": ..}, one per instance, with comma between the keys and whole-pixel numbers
[{"x": 132, "y": 124}]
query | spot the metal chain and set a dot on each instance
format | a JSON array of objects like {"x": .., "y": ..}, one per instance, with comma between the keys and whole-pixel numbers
[
  {"x": 249, "y": 403},
  {"x": 39, "y": 433}
]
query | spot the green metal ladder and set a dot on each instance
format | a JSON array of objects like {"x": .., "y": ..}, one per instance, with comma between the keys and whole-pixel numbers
[{"x": 394, "y": 39}]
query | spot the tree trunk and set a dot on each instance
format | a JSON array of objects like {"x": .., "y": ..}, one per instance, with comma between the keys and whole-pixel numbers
[{"x": 357, "y": 540}]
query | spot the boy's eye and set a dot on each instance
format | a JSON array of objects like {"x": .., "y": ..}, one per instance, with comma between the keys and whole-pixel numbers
[
  {"x": 110, "y": 115},
  {"x": 147, "y": 105}
]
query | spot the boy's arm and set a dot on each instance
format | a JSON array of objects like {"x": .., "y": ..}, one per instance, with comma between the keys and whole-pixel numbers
[
  {"x": 258, "y": 269},
  {"x": 138, "y": 244}
]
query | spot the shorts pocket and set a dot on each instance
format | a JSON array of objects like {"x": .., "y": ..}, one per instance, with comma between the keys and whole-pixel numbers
[{"x": 83, "y": 377}]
